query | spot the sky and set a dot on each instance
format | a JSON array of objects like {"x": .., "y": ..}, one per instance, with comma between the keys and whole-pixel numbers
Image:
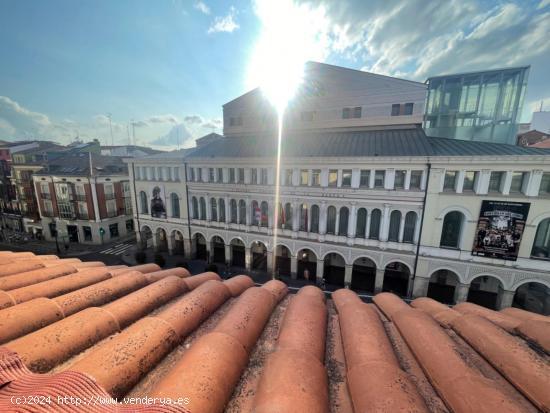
[{"x": 161, "y": 70}]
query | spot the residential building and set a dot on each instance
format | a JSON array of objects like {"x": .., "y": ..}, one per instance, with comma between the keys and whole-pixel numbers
[
  {"x": 84, "y": 198},
  {"x": 541, "y": 121},
  {"x": 130, "y": 151},
  {"x": 532, "y": 137},
  {"x": 478, "y": 106}
]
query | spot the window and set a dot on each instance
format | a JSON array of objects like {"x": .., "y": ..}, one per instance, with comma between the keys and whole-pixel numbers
[
  {"x": 288, "y": 177},
  {"x": 449, "y": 183},
  {"x": 410, "y": 226},
  {"x": 195, "y": 208},
  {"x": 416, "y": 180},
  {"x": 364, "y": 180},
  {"x": 348, "y": 113},
  {"x": 303, "y": 218},
  {"x": 541, "y": 246},
  {"x": 232, "y": 175},
  {"x": 304, "y": 177},
  {"x": 235, "y": 121},
  {"x": 545, "y": 184},
  {"x": 518, "y": 179},
  {"x": 331, "y": 220},
  {"x": 345, "y": 113},
  {"x": 222, "y": 210},
  {"x": 256, "y": 213},
  {"x": 113, "y": 230},
  {"x": 451, "y": 230},
  {"x": 495, "y": 181},
  {"x": 316, "y": 177},
  {"x": 400, "y": 179},
  {"x": 375, "y": 218},
  {"x": 395, "y": 109},
  {"x": 346, "y": 178},
  {"x": 470, "y": 179},
  {"x": 254, "y": 179},
  {"x": 265, "y": 214},
  {"x": 175, "y": 203},
  {"x": 202, "y": 210},
  {"x": 88, "y": 233},
  {"x": 242, "y": 212},
  {"x": 333, "y": 177},
  {"x": 220, "y": 175},
  {"x": 241, "y": 175},
  {"x": 408, "y": 109},
  {"x": 143, "y": 202},
  {"x": 357, "y": 112},
  {"x": 211, "y": 177},
  {"x": 306, "y": 116},
  {"x": 379, "y": 178},
  {"x": 395, "y": 223},
  {"x": 314, "y": 219},
  {"x": 288, "y": 216},
  {"x": 213, "y": 210},
  {"x": 343, "y": 222},
  {"x": 176, "y": 174},
  {"x": 263, "y": 176},
  {"x": 360, "y": 226},
  {"x": 233, "y": 207},
  {"x": 129, "y": 226}
]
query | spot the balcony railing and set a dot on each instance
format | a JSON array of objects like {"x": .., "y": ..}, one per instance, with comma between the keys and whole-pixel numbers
[
  {"x": 45, "y": 195},
  {"x": 109, "y": 196},
  {"x": 82, "y": 215},
  {"x": 80, "y": 197},
  {"x": 111, "y": 214},
  {"x": 47, "y": 214}
]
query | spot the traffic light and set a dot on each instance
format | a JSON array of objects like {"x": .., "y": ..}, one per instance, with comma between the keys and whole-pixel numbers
[{"x": 101, "y": 231}]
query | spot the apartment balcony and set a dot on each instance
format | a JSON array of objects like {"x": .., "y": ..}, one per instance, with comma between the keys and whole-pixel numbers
[
  {"x": 112, "y": 214},
  {"x": 83, "y": 216},
  {"x": 48, "y": 214},
  {"x": 110, "y": 196},
  {"x": 80, "y": 197},
  {"x": 45, "y": 195}
]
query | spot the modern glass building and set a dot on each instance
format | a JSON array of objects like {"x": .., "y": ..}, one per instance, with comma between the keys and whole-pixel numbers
[{"x": 481, "y": 106}]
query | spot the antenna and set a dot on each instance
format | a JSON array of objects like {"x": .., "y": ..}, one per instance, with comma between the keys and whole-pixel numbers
[
  {"x": 541, "y": 102},
  {"x": 128, "y": 132},
  {"x": 109, "y": 115},
  {"x": 134, "y": 131}
]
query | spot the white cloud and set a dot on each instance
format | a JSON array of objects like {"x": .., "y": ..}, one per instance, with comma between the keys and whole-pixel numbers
[
  {"x": 202, "y": 7},
  {"x": 543, "y": 4},
  {"x": 193, "y": 119},
  {"x": 225, "y": 23}
]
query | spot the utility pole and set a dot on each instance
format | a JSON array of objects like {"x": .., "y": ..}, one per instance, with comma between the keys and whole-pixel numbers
[{"x": 109, "y": 115}]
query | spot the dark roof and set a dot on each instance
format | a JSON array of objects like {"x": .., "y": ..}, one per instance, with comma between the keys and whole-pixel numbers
[
  {"x": 384, "y": 142},
  {"x": 531, "y": 137},
  {"x": 79, "y": 164}
]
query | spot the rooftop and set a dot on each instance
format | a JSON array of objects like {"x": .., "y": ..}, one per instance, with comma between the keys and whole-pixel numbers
[
  {"x": 70, "y": 328},
  {"x": 79, "y": 164}
]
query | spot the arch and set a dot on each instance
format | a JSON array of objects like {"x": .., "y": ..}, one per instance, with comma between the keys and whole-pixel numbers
[
  {"x": 307, "y": 265},
  {"x": 242, "y": 212},
  {"x": 162, "y": 239},
  {"x": 535, "y": 221},
  {"x": 314, "y": 227},
  {"x": 361, "y": 224},
  {"x": 280, "y": 216},
  {"x": 375, "y": 224},
  {"x": 202, "y": 209},
  {"x": 143, "y": 203},
  {"x": 282, "y": 260},
  {"x": 395, "y": 224},
  {"x": 486, "y": 290},
  {"x": 343, "y": 222},
  {"x": 334, "y": 270},
  {"x": 256, "y": 213},
  {"x": 451, "y": 230},
  {"x": 304, "y": 224},
  {"x": 233, "y": 210},
  {"x": 264, "y": 209},
  {"x": 221, "y": 203},
  {"x": 217, "y": 245},
  {"x": 213, "y": 210},
  {"x": 331, "y": 220},
  {"x": 442, "y": 286},
  {"x": 195, "y": 207},
  {"x": 146, "y": 236},
  {"x": 258, "y": 250},
  {"x": 396, "y": 278},
  {"x": 533, "y": 296},
  {"x": 410, "y": 227},
  {"x": 238, "y": 252},
  {"x": 363, "y": 275},
  {"x": 467, "y": 214},
  {"x": 541, "y": 243},
  {"x": 177, "y": 242},
  {"x": 199, "y": 246}
]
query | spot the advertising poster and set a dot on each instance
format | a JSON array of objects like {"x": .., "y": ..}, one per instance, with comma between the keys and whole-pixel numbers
[
  {"x": 499, "y": 229},
  {"x": 158, "y": 208}
]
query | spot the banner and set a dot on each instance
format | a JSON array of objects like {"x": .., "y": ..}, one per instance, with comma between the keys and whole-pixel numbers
[
  {"x": 158, "y": 210},
  {"x": 499, "y": 229}
]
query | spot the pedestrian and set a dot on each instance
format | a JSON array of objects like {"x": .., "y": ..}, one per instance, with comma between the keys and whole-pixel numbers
[{"x": 306, "y": 275}]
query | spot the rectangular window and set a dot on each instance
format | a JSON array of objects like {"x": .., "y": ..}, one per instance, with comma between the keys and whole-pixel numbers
[
  {"x": 346, "y": 178},
  {"x": 113, "y": 230},
  {"x": 495, "y": 181},
  {"x": 111, "y": 208},
  {"x": 450, "y": 180},
  {"x": 211, "y": 177},
  {"x": 87, "y": 233},
  {"x": 545, "y": 184},
  {"x": 345, "y": 113},
  {"x": 264, "y": 176},
  {"x": 517, "y": 182},
  {"x": 379, "y": 178},
  {"x": 220, "y": 175},
  {"x": 395, "y": 108},
  {"x": 306, "y": 116},
  {"x": 400, "y": 179},
  {"x": 192, "y": 174},
  {"x": 176, "y": 173},
  {"x": 288, "y": 177},
  {"x": 416, "y": 180},
  {"x": 364, "y": 179},
  {"x": 470, "y": 178},
  {"x": 232, "y": 175},
  {"x": 254, "y": 176},
  {"x": 304, "y": 177},
  {"x": 357, "y": 112},
  {"x": 241, "y": 175},
  {"x": 408, "y": 109},
  {"x": 333, "y": 177},
  {"x": 316, "y": 177}
]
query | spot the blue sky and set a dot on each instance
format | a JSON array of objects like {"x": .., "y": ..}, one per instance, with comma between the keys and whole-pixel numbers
[{"x": 169, "y": 65}]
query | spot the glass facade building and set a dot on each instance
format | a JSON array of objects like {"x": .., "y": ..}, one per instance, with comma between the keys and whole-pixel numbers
[{"x": 481, "y": 106}]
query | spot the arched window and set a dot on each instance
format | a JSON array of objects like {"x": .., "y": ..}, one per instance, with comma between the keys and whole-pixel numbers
[
  {"x": 375, "y": 218},
  {"x": 451, "y": 230},
  {"x": 410, "y": 226},
  {"x": 233, "y": 205},
  {"x": 541, "y": 246},
  {"x": 175, "y": 203},
  {"x": 343, "y": 224},
  {"x": 303, "y": 218},
  {"x": 195, "y": 208},
  {"x": 242, "y": 212},
  {"x": 213, "y": 209},
  {"x": 395, "y": 222},
  {"x": 331, "y": 220},
  {"x": 288, "y": 216},
  {"x": 203, "y": 208},
  {"x": 280, "y": 216},
  {"x": 256, "y": 213},
  {"x": 222, "y": 209},
  {"x": 265, "y": 214},
  {"x": 361, "y": 223},
  {"x": 143, "y": 202},
  {"x": 314, "y": 219}
]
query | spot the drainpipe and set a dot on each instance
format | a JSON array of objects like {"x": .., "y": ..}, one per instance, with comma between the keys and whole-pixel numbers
[
  {"x": 187, "y": 207},
  {"x": 421, "y": 225},
  {"x": 136, "y": 201}
]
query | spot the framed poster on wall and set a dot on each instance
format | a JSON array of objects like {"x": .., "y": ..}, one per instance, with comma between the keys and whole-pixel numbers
[{"x": 158, "y": 208}]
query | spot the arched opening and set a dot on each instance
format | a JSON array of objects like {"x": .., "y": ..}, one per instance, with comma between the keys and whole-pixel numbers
[
  {"x": 282, "y": 260},
  {"x": 363, "y": 275},
  {"x": 242, "y": 212},
  {"x": 331, "y": 220},
  {"x": 265, "y": 214},
  {"x": 396, "y": 278},
  {"x": 304, "y": 218},
  {"x": 395, "y": 223},
  {"x": 213, "y": 210},
  {"x": 202, "y": 203},
  {"x": 237, "y": 253},
  {"x": 222, "y": 209},
  {"x": 218, "y": 250},
  {"x": 375, "y": 218},
  {"x": 287, "y": 218},
  {"x": 410, "y": 226},
  {"x": 256, "y": 213},
  {"x": 452, "y": 229},
  {"x": 177, "y": 244},
  {"x": 143, "y": 204},
  {"x": 146, "y": 237},
  {"x": 343, "y": 222},
  {"x": 484, "y": 291},
  {"x": 541, "y": 246},
  {"x": 307, "y": 265},
  {"x": 442, "y": 286},
  {"x": 314, "y": 219},
  {"x": 175, "y": 205},
  {"x": 234, "y": 214},
  {"x": 259, "y": 256},
  {"x": 534, "y": 297},
  {"x": 200, "y": 246},
  {"x": 334, "y": 271},
  {"x": 360, "y": 226},
  {"x": 195, "y": 206},
  {"x": 280, "y": 216}
]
